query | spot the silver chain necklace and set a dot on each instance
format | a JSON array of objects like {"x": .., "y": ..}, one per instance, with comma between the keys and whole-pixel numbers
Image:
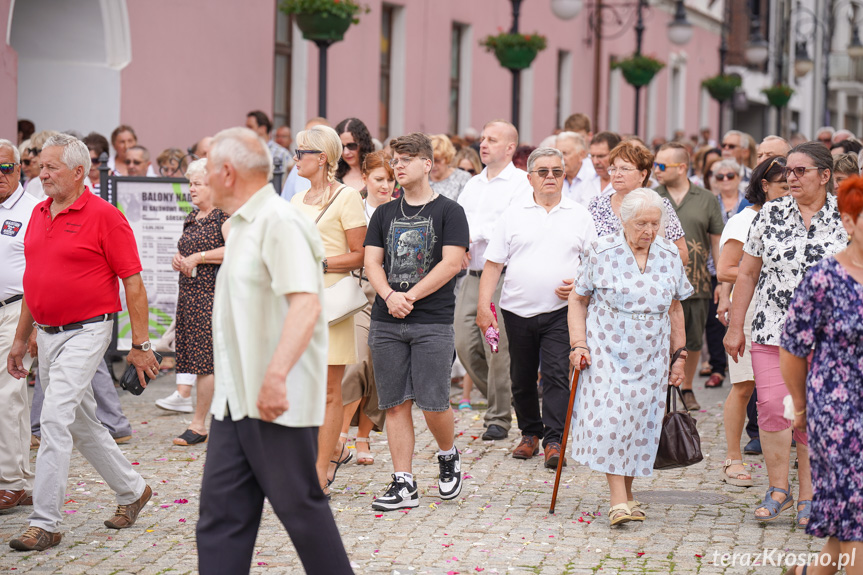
[{"x": 416, "y": 215}]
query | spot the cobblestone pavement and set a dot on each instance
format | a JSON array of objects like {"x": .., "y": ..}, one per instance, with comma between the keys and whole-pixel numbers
[{"x": 499, "y": 524}]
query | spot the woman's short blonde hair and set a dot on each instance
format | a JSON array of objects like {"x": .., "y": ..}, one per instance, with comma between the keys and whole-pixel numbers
[
  {"x": 642, "y": 199},
  {"x": 196, "y": 168},
  {"x": 442, "y": 146},
  {"x": 326, "y": 140}
]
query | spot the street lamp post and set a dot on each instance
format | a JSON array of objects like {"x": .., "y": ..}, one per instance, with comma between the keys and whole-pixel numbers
[
  {"x": 516, "y": 74},
  {"x": 639, "y": 34},
  {"x": 323, "y": 46}
]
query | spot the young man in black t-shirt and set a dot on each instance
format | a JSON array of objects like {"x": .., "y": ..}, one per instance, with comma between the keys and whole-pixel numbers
[{"x": 413, "y": 251}]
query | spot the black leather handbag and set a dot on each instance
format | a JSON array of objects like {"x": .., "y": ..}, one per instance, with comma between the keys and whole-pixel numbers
[
  {"x": 130, "y": 381},
  {"x": 679, "y": 442}
]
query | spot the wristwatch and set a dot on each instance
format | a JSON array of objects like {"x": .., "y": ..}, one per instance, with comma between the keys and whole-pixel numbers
[{"x": 143, "y": 347}]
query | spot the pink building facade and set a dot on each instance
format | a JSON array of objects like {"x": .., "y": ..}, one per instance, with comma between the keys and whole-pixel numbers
[{"x": 178, "y": 70}]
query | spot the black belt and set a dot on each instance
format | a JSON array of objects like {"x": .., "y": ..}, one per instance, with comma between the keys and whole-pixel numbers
[
  {"x": 11, "y": 300},
  {"x": 73, "y": 326},
  {"x": 478, "y": 273}
]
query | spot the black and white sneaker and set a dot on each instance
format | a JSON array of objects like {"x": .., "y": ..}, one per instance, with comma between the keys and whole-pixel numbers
[
  {"x": 449, "y": 483},
  {"x": 400, "y": 495}
]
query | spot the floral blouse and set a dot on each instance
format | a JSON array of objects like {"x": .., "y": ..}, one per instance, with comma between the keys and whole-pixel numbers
[
  {"x": 787, "y": 250},
  {"x": 607, "y": 222}
]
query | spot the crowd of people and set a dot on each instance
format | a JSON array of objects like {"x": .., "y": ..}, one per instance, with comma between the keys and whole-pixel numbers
[{"x": 478, "y": 260}]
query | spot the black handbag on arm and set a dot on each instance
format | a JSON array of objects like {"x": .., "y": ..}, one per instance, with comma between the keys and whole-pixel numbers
[{"x": 679, "y": 442}]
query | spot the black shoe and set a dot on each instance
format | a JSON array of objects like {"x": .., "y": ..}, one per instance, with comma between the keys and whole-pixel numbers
[
  {"x": 399, "y": 495},
  {"x": 494, "y": 432},
  {"x": 753, "y": 447},
  {"x": 449, "y": 483}
]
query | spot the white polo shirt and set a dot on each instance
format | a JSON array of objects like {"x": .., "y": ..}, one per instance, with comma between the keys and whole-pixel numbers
[
  {"x": 15, "y": 214},
  {"x": 540, "y": 250},
  {"x": 485, "y": 200}
]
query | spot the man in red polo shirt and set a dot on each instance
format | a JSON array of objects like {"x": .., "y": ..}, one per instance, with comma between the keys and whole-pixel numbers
[{"x": 76, "y": 247}]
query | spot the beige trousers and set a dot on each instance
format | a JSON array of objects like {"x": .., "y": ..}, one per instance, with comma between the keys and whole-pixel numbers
[
  {"x": 489, "y": 371},
  {"x": 15, "y": 472}
]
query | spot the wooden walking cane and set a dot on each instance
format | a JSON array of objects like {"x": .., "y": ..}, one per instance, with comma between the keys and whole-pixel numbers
[{"x": 573, "y": 384}]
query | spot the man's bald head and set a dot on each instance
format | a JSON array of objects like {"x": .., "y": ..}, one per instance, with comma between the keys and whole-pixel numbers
[
  {"x": 772, "y": 146},
  {"x": 507, "y": 130},
  {"x": 244, "y": 150}
]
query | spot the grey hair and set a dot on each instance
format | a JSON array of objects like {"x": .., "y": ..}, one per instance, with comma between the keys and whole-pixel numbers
[
  {"x": 745, "y": 139},
  {"x": 15, "y": 152},
  {"x": 543, "y": 153},
  {"x": 642, "y": 199},
  {"x": 829, "y": 129},
  {"x": 728, "y": 165},
  {"x": 244, "y": 150},
  {"x": 575, "y": 138},
  {"x": 772, "y": 138},
  {"x": 197, "y": 167},
  {"x": 75, "y": 152}
]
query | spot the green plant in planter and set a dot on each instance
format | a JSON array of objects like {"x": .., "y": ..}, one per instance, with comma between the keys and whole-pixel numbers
[
  {"x": 722, "y": 86},
  {"x": 778, "y": 95},
  {"x": 323, "y": 19},
  {"x": 514, "y": 51},
  {"x": 638, "y": 70}
]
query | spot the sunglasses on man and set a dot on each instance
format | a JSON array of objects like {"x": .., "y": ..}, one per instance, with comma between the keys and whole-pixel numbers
[
  {"x": 663, "y": 167},
  {"x": 7, "y": 168},
  {"x": 136, "y": 162},
  {"x": 543, "y": 173}
]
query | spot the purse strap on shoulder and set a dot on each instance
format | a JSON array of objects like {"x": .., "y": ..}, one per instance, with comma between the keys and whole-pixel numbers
[{"x": 326, "y": 207}]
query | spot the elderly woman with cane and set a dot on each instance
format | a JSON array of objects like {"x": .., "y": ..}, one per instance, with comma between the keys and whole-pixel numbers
[{"x": 626, "y": 323}]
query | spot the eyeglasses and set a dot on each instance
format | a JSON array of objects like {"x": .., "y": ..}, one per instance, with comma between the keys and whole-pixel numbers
[
  {"x": 34, "y": 151},
  {"x": 543, "y": 173},
  {"x": 298, "y": 155},
  {"x": 95, "y": 161},
  {"x": 136, "y": 162},
  {"x": 663, "y": 167},
  {"x": 623, "y": 170},
  {"x": 25, "y": 162},
  {"x": 402, "y": 161},
  {"x": 729, "y": 146},
  {"x": 777, "y": 160},
  {"x": 798, "y": 171},
  {"x": 353, "y": 146},
  {"x": 471, "y": 171},
  {"x": 723, "y": 177},
  {"x": 826, "y": 140},
  {"x": 7, "y": 169}
]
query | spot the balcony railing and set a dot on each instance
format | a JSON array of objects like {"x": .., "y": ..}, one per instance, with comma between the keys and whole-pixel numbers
[{"x": 845, "y": 68}]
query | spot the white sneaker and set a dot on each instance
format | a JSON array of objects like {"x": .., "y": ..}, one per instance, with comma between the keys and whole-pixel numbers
[{"x": 176, "y": 402}]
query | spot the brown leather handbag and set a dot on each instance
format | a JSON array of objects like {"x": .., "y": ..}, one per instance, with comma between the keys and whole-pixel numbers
[{"x": 679, "y": 442}]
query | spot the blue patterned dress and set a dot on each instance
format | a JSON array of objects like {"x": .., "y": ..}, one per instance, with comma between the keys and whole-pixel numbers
[
  {"x": 827, "y": 314},
  {"x": 620, "y": 400}
]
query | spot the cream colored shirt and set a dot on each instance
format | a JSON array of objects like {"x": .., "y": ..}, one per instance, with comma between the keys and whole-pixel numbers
[{"x": 272, "y": 250}]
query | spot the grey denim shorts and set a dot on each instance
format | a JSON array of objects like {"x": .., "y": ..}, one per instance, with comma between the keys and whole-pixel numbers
[{"x": 412, "y": 361}]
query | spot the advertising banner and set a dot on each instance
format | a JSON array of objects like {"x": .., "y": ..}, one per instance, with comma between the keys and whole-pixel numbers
[{"x": 156, "y": 209}]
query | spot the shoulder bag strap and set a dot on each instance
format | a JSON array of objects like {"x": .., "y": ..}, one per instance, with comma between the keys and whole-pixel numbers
[{"x": 339, "y": 191}]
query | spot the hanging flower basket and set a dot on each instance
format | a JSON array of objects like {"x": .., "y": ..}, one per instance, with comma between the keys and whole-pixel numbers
[
  {"x": 722, "y": 86},
  {"x": 514, "y": 51},
  {"x": 638, "y": 70},
  {"x": 323, "y": 19},
  {"x": 778, "y": 95}
]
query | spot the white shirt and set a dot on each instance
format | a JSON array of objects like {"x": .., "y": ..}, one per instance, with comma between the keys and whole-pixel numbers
[
  {"x": 272, "y": 250},
  {"x": 34, "y": 188},
  {"x": 112, "y": 165},
  {"x": 596, "y": 191},
  {"x": 582, "y": 190},
  {"x": 540, "y": 250},
  {"x": 737, "y": 227},
  {"x": 587, "y": 169},
  {"x": 14, "y": 216},
  {"x": 484, "y": 201}
]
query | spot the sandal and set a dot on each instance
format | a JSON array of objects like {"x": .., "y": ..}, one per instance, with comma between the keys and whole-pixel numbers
[
  {"x": 706, "y": 370},
  {"x": 715, "y": 380},
  {"x": 773, "y": 506},
  {"x": 464, "y": 405},
  {"x": 735, "y": 479},
  {"x": 190, "y": 437},
  {"x": 339, "y": 462},
  {"x": 635, "y": 507},
  {"x": 619, "y": 514},
  {"x": 804, "y": 513},
  {"x": 365, "y": 457}
]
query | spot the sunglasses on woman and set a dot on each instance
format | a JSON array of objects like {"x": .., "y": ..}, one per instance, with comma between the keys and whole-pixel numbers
[
  {"x": 7, "y": 169},
  {"x": 722, "y": 177},
  {"x": 298, "y": 155},
  {"x": 353, "y": 146}
]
